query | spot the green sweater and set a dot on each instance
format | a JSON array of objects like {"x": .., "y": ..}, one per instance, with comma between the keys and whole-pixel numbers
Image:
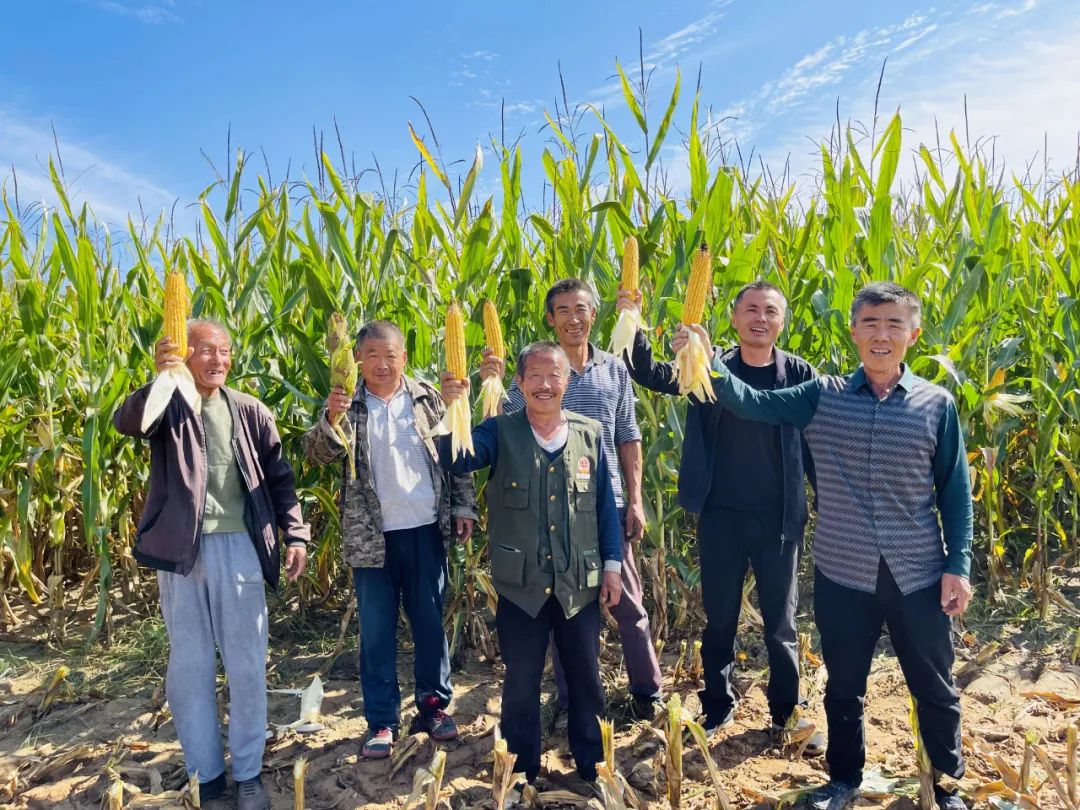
[{"x": 224, "y": 488}]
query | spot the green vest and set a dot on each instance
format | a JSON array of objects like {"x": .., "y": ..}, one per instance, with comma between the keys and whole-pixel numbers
[{"x": 542, "y": 523}]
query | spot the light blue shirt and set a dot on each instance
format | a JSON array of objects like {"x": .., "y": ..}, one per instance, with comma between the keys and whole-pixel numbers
[{"x": 400, "y": 464}]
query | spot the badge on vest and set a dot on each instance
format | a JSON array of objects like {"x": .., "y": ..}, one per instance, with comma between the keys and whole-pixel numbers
[{"x": 583, "y": 468}]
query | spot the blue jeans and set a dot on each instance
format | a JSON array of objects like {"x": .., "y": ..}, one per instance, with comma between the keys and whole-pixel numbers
[{"x": 414, "y": 574}]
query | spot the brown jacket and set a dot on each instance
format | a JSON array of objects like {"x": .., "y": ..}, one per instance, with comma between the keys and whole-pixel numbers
[{"x": 171, "y": 525}]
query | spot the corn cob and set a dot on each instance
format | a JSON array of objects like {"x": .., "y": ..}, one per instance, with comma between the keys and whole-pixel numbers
[
  {"x": 697, "y": 288},
  {"x": 492, "y": 392},
  {"x": 458, "y": 413},
  {"x": 344, "y": 373},
  {"x": 629, "y": 321},
  {"x": 691, "y": 369},
  {"x": 177, "y": 310}
]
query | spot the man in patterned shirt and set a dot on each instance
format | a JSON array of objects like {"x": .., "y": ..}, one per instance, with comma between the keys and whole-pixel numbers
[
  {"x": 398, "y": 515},
  {"x": 599, "y": 388},
  {"x": 892, "y": 543}
]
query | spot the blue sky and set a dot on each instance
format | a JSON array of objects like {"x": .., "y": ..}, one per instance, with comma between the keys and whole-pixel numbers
[{"x": 136, "y": 88}]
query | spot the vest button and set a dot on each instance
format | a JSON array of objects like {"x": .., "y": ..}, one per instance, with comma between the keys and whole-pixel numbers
[
  {"x": 513, "y": 483},
  {"x": 551, "y": 497},
  {"x": 549, "y": 556},
  {"x": 552, "y": 527},
  {"x": 547, "y": 590},
  {"x": 551, "y": 469}
]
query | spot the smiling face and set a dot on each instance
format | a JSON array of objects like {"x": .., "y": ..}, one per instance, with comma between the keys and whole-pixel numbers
[
  {"x": 883, "y": 333},
  {"x": 758, "y": 318},
  {"x": 572, "y": 315},
  {"x": 211, "y": 357},
  {"x": 543, "y": 382},
  {"x": 382, "y": 364}
]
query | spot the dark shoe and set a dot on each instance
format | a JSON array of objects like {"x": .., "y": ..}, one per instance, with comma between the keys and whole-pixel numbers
[
  {"x": 214, "y": 789},
  {"x": 646, "y": 708},
  {"x": 948, "y": 801},
  {"x": 251, "y": 795},
  {"x": 712, "y": 723},
  {"x": 378, "y": 744},
  {"x": 815, "y": 747},
  {"x": 433, "y": 721},
  {"x": 836, "y": 795}
]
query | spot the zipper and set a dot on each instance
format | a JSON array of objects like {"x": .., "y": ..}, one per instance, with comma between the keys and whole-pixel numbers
[{"x": 200, "y": 434}]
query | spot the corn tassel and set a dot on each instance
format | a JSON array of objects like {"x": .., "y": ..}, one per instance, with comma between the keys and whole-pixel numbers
[
  {"x": 458, "y": 413},
  {"x": 492, "y": 392},
  {"x": 299, "y": 775},
  {"x": 502, "y": 772},
  {"x": 691, "y": 361},
  {"x": 344, "y": 373},
  {"x": 178, "y": 377},
  {"x": 629, "y": 321}
]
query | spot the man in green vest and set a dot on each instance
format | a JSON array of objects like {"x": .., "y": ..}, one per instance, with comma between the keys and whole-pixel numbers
[{"x": 556, "y": 550}]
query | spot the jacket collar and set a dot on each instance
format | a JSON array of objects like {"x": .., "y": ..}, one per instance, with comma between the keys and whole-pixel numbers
[
  {"x": 858, "y": 379},
  {"x": 780, "y": 363}
]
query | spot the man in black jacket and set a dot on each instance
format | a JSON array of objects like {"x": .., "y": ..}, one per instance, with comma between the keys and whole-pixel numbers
[{"x": 746, "y": 482}]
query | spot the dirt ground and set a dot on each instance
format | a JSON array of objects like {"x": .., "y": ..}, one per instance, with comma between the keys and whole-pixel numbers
[{"x": 108, "y": 720}]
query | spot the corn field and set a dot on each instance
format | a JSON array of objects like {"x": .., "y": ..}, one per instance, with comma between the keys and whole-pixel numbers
[{"x": 995, "y": 259}]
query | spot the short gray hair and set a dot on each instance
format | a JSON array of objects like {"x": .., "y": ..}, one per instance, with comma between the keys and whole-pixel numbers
[
  {"x": 887, "y": 292},
  {"x": 380, "y": 330},
  {"x": 539, "y": 347},
  {"x": 212, "y": 323}
]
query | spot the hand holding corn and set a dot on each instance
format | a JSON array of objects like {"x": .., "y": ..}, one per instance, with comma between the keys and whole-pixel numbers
[
  {"x": 629, "y": 318},
  {"x": 492, "y": 366},
  {"x": 492, "y": 392},
  {"x": 458, "y": 419},
  {"x": 338, "y": 403},
  {"x": 692, "y": 357},
  {"x": 453, "y": 388},
  {"x": 166, "y": 354},
  {"x": 682, "y": 337},
  {"x": 628, "y": 300}
]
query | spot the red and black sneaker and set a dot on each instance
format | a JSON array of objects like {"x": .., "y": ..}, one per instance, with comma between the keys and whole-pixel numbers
[
  {"x": 432, "y": 720},
  {"x": 378, "y": 744}
]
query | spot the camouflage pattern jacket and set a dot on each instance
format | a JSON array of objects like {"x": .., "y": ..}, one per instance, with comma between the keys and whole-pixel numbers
[{"x": 361, "y": 515}]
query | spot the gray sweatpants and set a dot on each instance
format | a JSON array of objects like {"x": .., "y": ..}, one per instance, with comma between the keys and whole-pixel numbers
[{"x": 221, "y": 602}]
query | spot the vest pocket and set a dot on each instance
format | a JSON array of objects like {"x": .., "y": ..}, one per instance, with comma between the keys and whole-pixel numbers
[
  {"x": 584, "y": 496},
  {"x": 516, "y": 494},
  {"x": 507, "y": 564},
  {"x": 590, "y": 568}
]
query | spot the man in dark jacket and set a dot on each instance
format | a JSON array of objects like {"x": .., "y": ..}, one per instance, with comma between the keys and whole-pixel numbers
[
  {"x": 745, "y": 480},
  {"x": 220, "y": 493}
]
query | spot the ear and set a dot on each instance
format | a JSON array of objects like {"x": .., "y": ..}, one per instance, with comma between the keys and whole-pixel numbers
[
  {"x": 550, "y": 318},
  {"x": 914, "y": 336}
]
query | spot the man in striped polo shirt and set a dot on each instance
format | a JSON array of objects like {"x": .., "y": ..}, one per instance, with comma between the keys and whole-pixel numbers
[
  {"x": 600, "y": 388},
  {"x": 893, "y": 538}
]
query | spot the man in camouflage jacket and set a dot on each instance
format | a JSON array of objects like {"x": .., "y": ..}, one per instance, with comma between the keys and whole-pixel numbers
[{"x": 398, "y": 516}]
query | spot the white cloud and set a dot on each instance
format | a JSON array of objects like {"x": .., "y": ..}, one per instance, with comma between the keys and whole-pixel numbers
[
  {"x": 110, "y": 189},
  {"x": 149, "y": 13}
]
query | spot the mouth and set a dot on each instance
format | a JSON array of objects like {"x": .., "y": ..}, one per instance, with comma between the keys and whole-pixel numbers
[
  {"x": 880, "y": 352},
  {"x": 760, "y": 331},
  {"x": 543, "y": 396}
]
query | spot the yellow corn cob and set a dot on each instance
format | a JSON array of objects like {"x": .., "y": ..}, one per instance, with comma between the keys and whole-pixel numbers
[
  {"x": 455, "y": 342},
  {"x": 630, "y": 278},
  {"x": 697, "y": 288},
  {"x": 177, "y": 309},
  {"x": 493, "y": 335},
  {"x": 492, "y": 392},
  {"x": 458, "y": 413}
]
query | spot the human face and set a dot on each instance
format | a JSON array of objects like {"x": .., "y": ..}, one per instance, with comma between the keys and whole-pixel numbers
[
  {"x": 758, "y": 318},
  {"x": 211, "y": 357},
  {"x": 543, "y": 383},
  {"x": 572, "y": 315},
  {"x": 882, "y": 334},
  {"x": 382, "y": 364}
]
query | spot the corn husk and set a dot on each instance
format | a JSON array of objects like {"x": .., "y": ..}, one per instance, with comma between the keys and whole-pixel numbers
[
  {"x": 697, "y": 731},
  {"x": 427, "y": 782},
  {"x": 629, "y": 320},
  {"x": 922, "y": 761},
  {"x": 674, "y": 752}
]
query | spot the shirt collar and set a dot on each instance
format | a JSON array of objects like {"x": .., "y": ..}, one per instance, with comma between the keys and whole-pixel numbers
[
  {"x": 859, "y": 380},
  {"x": 401, "y": 389},
  {"x": 597, "y": 357}
]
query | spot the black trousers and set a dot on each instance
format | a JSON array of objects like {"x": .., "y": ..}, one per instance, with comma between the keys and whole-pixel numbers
[
  {"x": 850, "y": 623},
  {"x": 728, "y": 543},
  {"x": 523, "y": 641}
]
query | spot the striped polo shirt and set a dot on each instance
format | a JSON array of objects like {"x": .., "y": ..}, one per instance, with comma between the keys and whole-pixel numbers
[
  {"x": 602, "y": 391},
  {"x": 892, "y": 474}
]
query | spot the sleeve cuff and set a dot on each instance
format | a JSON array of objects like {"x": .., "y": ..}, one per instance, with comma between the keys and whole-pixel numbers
[{"x": 614, "y": 566}]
